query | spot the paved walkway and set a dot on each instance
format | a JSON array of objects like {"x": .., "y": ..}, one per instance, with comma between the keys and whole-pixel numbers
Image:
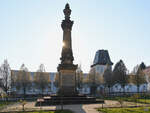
[
  {"x": 90, "y": 108},
  {"x": 85, "y": 108}
]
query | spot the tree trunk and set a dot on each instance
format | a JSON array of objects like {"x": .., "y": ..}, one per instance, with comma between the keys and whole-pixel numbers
[
  {"x": 124, "y": 90},
  {"x": 109, "y": 91},
  {"x": 24, "y": 92},
  {"x": 138, "y": 89},
  {"x": 42, "y": 92},
  {"x": 6, "y": 94}
]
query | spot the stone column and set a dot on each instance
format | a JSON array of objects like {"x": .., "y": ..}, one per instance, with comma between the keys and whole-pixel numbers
[{"x": 67, "y": 70}]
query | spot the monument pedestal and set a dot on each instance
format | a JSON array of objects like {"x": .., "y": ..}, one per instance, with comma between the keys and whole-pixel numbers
[
  {"x": 67, "y": 79},
  {"x": 68, "y": 100}
]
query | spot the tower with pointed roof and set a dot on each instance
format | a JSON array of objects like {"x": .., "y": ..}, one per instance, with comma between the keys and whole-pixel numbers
[{"x": 101, "y": 61}]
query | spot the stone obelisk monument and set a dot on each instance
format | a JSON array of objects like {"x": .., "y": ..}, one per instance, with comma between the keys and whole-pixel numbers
[{"x": 67, "y": 70}]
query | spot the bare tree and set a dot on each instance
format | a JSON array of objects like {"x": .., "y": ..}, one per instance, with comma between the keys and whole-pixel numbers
[
  {"x": 79, "y": 77},
  {"x": 0, "y": 82},
  {"x": 6, "y": 76},
  {"x": 42, "y": 79},
  {"x": 139, "y": 78},
  {"x": 120, "y": 74},
  {"x": 56, "y": 81},
  {"x": 108, "y": 78},
  {"x": 86, "y": 80},
  {"x": 23, "y": 80},
  {"x": 92, "y": 80},
  {"x": 13, "y": 81},
  {"x": 135, "y": 69}
]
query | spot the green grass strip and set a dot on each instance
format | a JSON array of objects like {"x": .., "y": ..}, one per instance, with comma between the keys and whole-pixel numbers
[{"x": 125, "y": 110}]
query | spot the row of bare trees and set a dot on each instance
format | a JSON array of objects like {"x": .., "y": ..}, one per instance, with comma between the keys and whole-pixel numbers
[
  {"x": 21, "y": 80},
  {"x": 119, "y": 75},
  {"x": 24, "y": 81}
]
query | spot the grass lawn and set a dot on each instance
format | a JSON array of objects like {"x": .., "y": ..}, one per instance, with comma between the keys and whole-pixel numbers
[
  {"x": 129, "y": 99},
  {"x": 125, "y": 110},
  {"x": 58, "y": 111},
  {"x": 147, "y": 101}
]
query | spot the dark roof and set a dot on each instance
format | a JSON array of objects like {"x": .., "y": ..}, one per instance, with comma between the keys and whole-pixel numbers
[{"x": 102, "y": 58}]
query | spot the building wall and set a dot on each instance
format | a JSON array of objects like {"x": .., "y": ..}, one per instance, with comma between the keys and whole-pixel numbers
[
  {"x": 129, "y": 88},
  {"x": 100, "y": 69}
]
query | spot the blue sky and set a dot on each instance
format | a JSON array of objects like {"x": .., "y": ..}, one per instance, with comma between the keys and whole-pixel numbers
[{"x": 30, "y": 31}]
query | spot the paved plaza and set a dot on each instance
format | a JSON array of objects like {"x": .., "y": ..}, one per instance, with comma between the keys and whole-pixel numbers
[{"x": 86, "y": 108}]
